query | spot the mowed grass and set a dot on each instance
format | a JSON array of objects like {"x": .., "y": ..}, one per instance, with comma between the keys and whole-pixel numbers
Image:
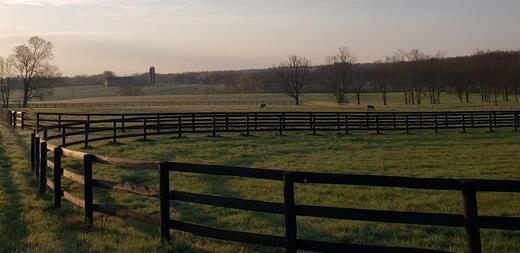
[
  {"x": 450, "y": 154},
  {"x": 30, "y": 223},
  {"x": 311, "y": 101}
]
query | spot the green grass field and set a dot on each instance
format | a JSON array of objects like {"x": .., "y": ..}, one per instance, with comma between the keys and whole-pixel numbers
[
  {"x": 421, "y": 154},
  {"x": 312, "y": 102}
]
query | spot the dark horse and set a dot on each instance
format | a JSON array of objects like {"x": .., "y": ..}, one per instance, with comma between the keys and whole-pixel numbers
[{"x": 371, "y": 108}]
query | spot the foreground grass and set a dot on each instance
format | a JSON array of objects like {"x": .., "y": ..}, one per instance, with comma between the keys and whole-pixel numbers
[
  {"x": 421, "y": 154},
  {"x": 29, "y": 222}
]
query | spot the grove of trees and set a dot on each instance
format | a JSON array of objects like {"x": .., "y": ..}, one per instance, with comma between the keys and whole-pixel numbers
[{"x": 29, "y": 67}]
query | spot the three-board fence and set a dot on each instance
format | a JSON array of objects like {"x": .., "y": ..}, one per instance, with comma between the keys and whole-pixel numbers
[{"x": 139, "y": 125}]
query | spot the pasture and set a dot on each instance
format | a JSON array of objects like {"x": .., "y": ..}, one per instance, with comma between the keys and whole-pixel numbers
[
  {"x": 478, "y": 155},
  {"x": 315, "y": 102},
  {"x": 202, "y": 93},
  {"x": 450, "y": 154}
]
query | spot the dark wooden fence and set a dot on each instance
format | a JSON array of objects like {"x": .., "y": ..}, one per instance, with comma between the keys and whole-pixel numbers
[
  {"x": 94, "y": 127},
  {"x": 470, "y": 220},
  {"x": 150, "y": 104}
]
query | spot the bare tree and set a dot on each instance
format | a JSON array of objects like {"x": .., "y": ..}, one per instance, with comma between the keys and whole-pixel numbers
[
  {"x": 32, "y": 61},
  {"x": 292, "y": 75},
  {"x": 338, "y": 73},
  {"x": 6, "y": 79}
]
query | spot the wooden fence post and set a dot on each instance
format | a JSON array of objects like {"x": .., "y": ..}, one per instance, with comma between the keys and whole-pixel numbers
[
  {"x": 87, "y": 129},
  {"x": 516, "y": 121},
  {"x": 495, "y": 118},
  {"x": 145, "y": 125},
  {"x": 280, "y": 128},
  {"x": 58, "y": 171},
  {"x": 179, "y": 127},
  {"x": 193, "y": 122},
  {"x": 227, "y": 122},
  {"x": 158, "y": 123},
  {"x": 436, "y": 122},
  {"x": 338, "y": 123},
  {"x": 377, "y": 124},
  {"x": 164, "y": 196},
  {"x": 33, "y": 136},
  {"x": 256, "y": 121},
  {"x": 472, "y": 120},
  {"x": 463, "y": 123},
  {"x": 247, "y": 125},
  {"x": 367, "y": 115},
  {"x": 63, "y": 136},
  {"x": 37, "y": 155},
  {"x": 87, "y": 174},
  {"x": 395, "y": 120},
  {"x": 283, "y": 121},
  {"x": 289, "y": 211},
  {"x": 406, "y": 123},
  {"x": 471, "y": 217},
  {"x": 114, "y": 131},
  {"x": 346, "y": 123},
  {"x": 13, "y": 118},
  {"x": 214, "y": 127},
  {"x": 490, "y": 123},
  {"x": 313, "y": 124},
  {"x": 43, "y": 167},
  {"x": 310, "y": 122}
]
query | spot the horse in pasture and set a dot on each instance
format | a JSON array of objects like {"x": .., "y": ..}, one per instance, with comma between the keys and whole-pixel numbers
[{"x": 371, "y": 108}]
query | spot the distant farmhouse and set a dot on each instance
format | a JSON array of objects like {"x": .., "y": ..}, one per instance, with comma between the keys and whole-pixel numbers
[{"x": 117, "y": 81}]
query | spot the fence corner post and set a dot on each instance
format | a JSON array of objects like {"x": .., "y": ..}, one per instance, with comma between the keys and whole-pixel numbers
[
  {"x": 289, "y": 211},
  {"x": 58, "y": 171},
  {"x": 471, "y": 217},
  {"x": 164, "y": 196},
  {"x": 37, "y": 155},
  {"x": 87, "y": 174},
  {"x": 33, "y": 137},
  {"x": 43, "y": 167}
]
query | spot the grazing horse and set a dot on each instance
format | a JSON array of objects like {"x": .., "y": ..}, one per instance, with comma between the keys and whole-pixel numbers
[
  {"x": 262, "y": 106},
  {"x": 371, "y": 108}
]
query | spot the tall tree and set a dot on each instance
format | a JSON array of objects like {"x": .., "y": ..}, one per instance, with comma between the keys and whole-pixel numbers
[
  {"x": 37, "y": 74},
  {"x": 6, "y": 79},
  {"x": 293, "y": 75},
  {"x": 337, "y": 73}
]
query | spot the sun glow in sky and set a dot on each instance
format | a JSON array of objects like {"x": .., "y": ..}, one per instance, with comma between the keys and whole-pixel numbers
[{"x": 128, "y": 36}]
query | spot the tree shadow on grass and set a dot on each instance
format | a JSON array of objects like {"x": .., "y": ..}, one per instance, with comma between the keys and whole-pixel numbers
[{"x": 13, "y": 228}]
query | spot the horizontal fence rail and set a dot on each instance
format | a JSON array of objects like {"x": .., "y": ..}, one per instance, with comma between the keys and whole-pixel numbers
[
  {"x": 144, "y": 125},
  {"x": 150, "y": 104},
  {"x": 115, "y": 126}
]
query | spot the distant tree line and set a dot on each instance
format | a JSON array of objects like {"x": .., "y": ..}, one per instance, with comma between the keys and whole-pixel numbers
[{"x": 420, "y": 77}]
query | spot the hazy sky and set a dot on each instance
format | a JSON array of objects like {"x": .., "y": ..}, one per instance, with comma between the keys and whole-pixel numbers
[{"x": 128, "y": 36}]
